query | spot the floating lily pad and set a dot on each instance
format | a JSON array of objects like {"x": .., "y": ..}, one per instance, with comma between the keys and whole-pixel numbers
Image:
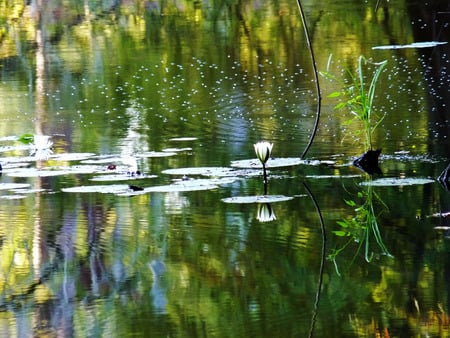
[
  {"x": 12, "y": 197},
  {"x": 257, "y": 199},
  {"x": 14, "y": 148},
  {"x": 184, "y": 186},
  {"x": 102, "y": 160},
  {"x": 17, "y": 159},
  {"x": 28, "y": 191},
  {"x": 10, "y": 186},
  {"x": 149, "y": 154},
  {"x": 271, "y": 163},
  {"x": 205, "y": 171},
  {"x": 104, "y": 189},
  {"x": 183, "y": 139},
  {"x": 120, "y": 177},
  {"x": 54, "y": 171},
  {"x": 71, "y": 156},
  {"x": 176, "y": 150},
  {"x": 332, "y": 176},
  {"x": 394, "y": 181},
  {"x": 412, "y": 45}
]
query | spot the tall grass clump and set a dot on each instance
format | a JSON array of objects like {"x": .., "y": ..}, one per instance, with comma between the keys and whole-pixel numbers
[{"x": 357, "y": 94}]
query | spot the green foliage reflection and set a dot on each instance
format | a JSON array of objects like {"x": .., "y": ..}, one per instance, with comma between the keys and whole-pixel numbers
[{"x": 361, "y": 227}]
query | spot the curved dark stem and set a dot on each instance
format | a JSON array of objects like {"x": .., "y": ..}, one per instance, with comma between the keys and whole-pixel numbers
[
  {"x": 265, "y": 179},
  {"x": 322, "y": 262},
  {"x": 316, "y": 76}
]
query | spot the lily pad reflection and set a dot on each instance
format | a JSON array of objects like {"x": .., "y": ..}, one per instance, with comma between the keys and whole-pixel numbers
[{"x": 257, "y": 199}]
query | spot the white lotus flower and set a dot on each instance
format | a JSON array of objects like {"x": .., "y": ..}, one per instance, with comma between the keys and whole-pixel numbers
[
  {"x": 265, "y": 213},
  {"x": 41, "y": 147},
  {"x": 263, "y": 151}
]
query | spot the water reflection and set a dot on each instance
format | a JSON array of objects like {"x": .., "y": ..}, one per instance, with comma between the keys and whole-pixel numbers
[
  {"x": 265, "y": 213},
  {"x": 120, "y": 78}
]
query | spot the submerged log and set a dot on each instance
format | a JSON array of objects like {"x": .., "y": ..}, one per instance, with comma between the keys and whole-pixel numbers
[{"x": 369, "y": 162}]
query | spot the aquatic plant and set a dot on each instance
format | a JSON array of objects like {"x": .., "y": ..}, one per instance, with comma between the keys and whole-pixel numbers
[
  {"x": 316, "y": 77},
  {"x": 358, "y": 95},
  {"x": 358, "y": 229}
]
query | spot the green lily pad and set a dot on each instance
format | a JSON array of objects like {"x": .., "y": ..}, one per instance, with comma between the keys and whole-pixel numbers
[
  {"x": 104, "y": 189},
  {"x": 395, "y": 181},
  {"x": 71, "y": 156},
  {"x": 257, "y": 199},
  {"x": 412, "y": 45},
  {"x": 54, "y": 171},
  {"x": 12, "y": 197},
  {"x": 205, "y": 171},
  {"x": 119, "y": 177},
  {"x": 102, "y": 160},
  {"x": 150, "y": 154},
  {"x": 176, "y": 150},
  {"x": 271, "y": 163},
  {"x": 10, "y": 186},
  {"x": 183, "y": 186},
  {"x": 183, "y": 139}
]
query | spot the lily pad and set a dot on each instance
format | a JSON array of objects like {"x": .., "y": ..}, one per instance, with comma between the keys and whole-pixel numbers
[
  {"x": 176, "y": 150},
  {"x": 104, "y": 189},
  {"x": 412, "y": 45},
  {"x": 149, "y": 154},
  {"x": 271, "y": 163},
  {"x": 395, "y": 181},
  {"x": 102, "y": 160},
  {"x": 28, "y": 191},
  {"x": 12, "y": 197},
  {"x": 183, "y": 139},
  {"x": 332, "y": 176},
  {"x": 71, "y": 156},
  {"x": 54, "y": 171},
  {"x": 10, "y": 186},
  {"x": 205, "y": 171},
  {"x": 183, "y": 186},
  {"x": 257, "y": 199},
  {"x": 120, "y": 177}
]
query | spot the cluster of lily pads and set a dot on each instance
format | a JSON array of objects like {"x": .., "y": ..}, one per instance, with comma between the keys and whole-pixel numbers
[{"x": 112, "y": 169}]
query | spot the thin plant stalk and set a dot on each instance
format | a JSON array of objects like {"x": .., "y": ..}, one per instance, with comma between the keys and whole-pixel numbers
[
  {"x": 265, "y": 178},
  {"x": 316, "y": 76}
]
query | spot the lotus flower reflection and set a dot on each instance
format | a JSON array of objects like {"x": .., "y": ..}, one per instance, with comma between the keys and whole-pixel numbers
[
  {"x": 41, "y": 147},
  {"x": 265, "y": 213}
]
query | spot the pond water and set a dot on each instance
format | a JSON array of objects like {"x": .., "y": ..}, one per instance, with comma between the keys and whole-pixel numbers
[{"x": 190, "y": 246}]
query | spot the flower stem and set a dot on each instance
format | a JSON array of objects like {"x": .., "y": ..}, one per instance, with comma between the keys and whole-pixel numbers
[{"x": 265, "y": 178}]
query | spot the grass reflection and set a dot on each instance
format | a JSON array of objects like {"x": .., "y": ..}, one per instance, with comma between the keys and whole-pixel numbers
[{"x": 362, "y": 228}]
